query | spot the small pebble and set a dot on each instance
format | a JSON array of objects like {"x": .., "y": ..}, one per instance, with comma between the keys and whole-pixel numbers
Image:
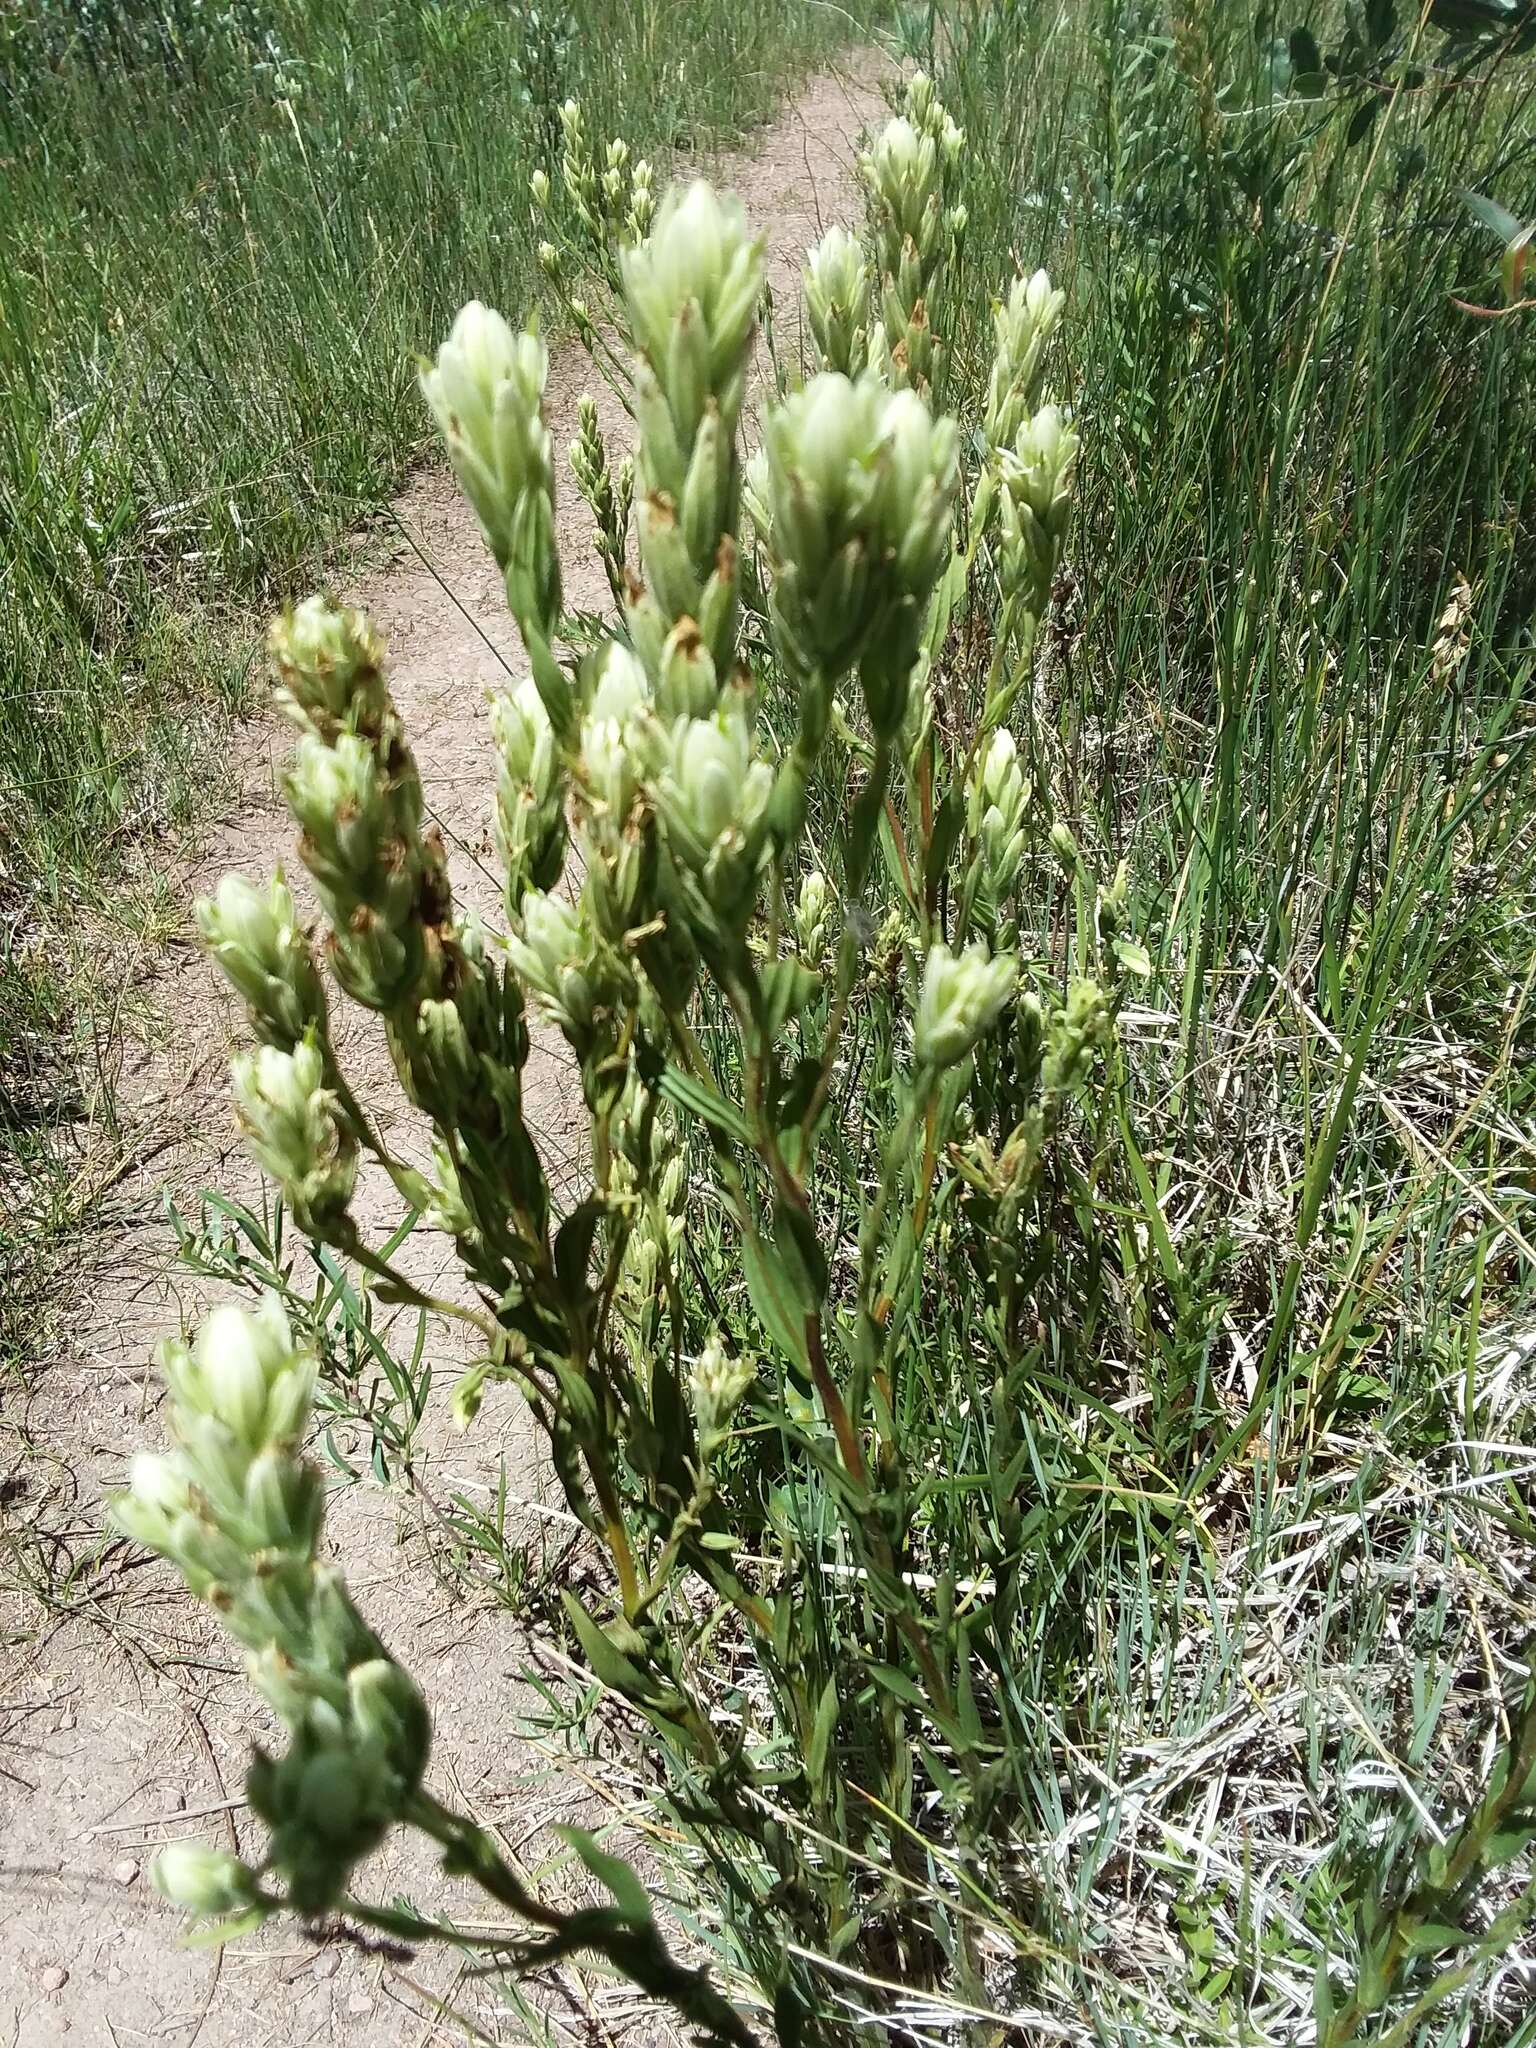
[
  {"x": 326, "y": 1964},
  {"x": 126, "y": 1871},
  {"x": 54, "y": 1978},
  {"x": 359, "y": 2003}
]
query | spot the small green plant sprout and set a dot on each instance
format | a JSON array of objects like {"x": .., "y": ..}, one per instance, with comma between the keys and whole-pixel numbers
[{"x": 763, "y": 846}]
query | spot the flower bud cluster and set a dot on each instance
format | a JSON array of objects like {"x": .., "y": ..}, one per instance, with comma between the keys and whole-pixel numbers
[
  {"x": 207, "y": 1883},
  {"x": 813, "y": 918},
  {"x": 837, "y": 291},
  {"x": 613, "y": 204},
  {"x": 642, "y": 202},
  {"x": 962, "y": 997},
  {"x": 1076, "y": 1032},
  {"x": 578, "y": 169},
  {"x": 359, "y": 814},
  {"x": 486, "y": 392},
  {"x": 1023, "y": 325},
  {"x": 995, "y": 816},
  {"x": 860, "y": 484},
  {"x": 238, "y": 1512},
  {"x": 906, "y": 171},
  {"x": 713, "y": 796},
  {"x": 620, "y": 743},
  {"x": 530, "y": 792},
  {"x": 649, "y": 1179},
  {"x": 296, "y": 1134},
  {"x": 255, "y": 936},
  {"x": 330, "y": 670},
  {"x": 1035, "y": 504},
  {"x": 383, "y": 884},
  {"x": 609, "y": 498},
  {"x": 570, "y": 969},
  {"x": 716, "y": 1384},
  {"x": 692, "y": 290},
  {"x": 355, "y": 794}
]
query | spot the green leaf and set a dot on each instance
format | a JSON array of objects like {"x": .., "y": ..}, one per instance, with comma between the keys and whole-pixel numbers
[
  {"x": 948, "y": 822},
  {"x": 789, "y": 2015},
  {"x": 795, "y": 1234},
  {"x": 573, "y": 1248},
  {"x": 1433, "y": 1937},
  {"x": 1504, "y": 1846},
  {"x": 701, "y": 1099},
  {"x": 822, "y": 1732},
  {"x": 609, "y": 1663},
  {"x": 612, "y": 1873},
  {"x": 1307, "y": 70},
  {"x": 948, "y": 592},
  {"x": 788, "y": 985},
  {"x": 899, "y": 872},
  {"x": 779, "y": 1303},
  {"x": 1362, "y": 121},
  {"x": 898, "y": 1685}
]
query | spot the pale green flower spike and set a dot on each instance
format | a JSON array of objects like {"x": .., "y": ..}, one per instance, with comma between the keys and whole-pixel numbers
[
  {"x": 713, "y": 797},
  {"x": 530, "y": 792},
  {"x": 716, "y": 1384},
  {"x": 642, "y": 202},
  {"x": 1023, "y": 325},
  {"x": 207, "y": 1883},
  {"x": 607, "y": 497},
  {"x": 255, "y": 936},
  {"x": 962, "y": 997},
  {"x": 330, "y": 667},
  {"x": 813, "y": 917},
  {"x": 553, "y": 954},
  {"x": 486, "y": 392},
  {"x": 908, "y": 171},
  {"x": 837, "y": 301},
  {"x": 692, "y": 288},
  {"x": 860, "y": 487},
  {"x": 1035, "y": 504},
  {"x": 996, "y": 806},
  {"x": 578, "y": 169},
  {"x": 239, "y": 1513},
  {"x": 294, "y": 1129}
]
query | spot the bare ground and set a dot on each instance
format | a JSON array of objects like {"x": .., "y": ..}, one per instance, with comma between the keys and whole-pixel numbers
[{"x": 125, "y": 1720}]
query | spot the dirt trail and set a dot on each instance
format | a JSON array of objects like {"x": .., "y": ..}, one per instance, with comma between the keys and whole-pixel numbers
[{"x": 124, "y": 1719}]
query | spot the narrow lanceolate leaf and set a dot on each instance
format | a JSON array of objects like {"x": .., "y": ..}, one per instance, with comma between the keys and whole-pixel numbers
[
  {"x": 619, "y": 1673},
  {"x": 822, "y": 1732},
  {"x": 778, "y": 1298},
  {"x": 613, "y": 1873},
  {"x": 788, "y": 986},
  {"x": 702, "y": 1099}
]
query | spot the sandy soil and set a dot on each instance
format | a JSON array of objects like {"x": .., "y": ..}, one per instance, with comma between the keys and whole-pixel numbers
[{"x": 124, "y": 1718}]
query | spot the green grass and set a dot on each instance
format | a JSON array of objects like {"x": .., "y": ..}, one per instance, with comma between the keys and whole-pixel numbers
[
  {"x": 223, "y": 249},
  {"x": 1292, "y": 687}
]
